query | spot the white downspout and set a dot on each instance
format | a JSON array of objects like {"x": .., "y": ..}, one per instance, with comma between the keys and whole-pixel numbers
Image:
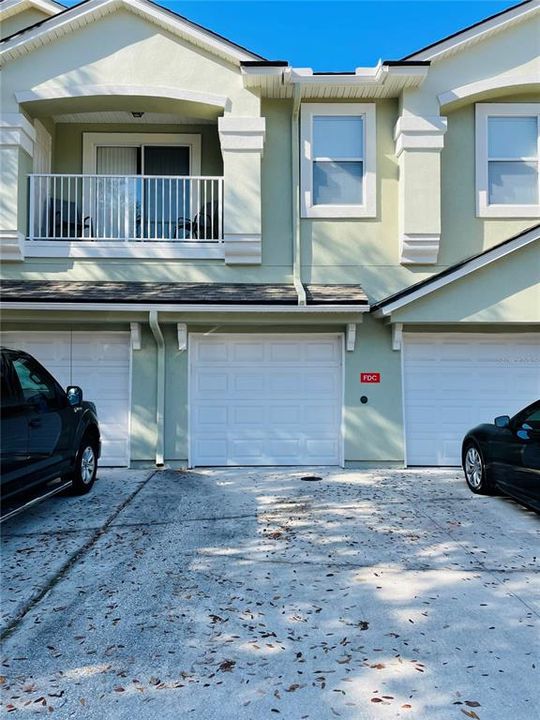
[
  {"x": 160, "y": 385},
  {"x": 295, "y": 155}
]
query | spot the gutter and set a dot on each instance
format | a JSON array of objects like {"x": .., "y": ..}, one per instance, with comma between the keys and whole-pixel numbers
[
  {"x": 295, "y": 158},
  {"x": 160, "y": 401},
  {"x": 182, "y": 309}
]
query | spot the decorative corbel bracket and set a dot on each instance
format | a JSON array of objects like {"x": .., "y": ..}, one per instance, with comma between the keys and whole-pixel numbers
[
  {"x": 350, "y": 337},
  {"x": 397, "y": 336},
  {"x": 181, "y": 332},
  {"x": 136, "y": 339}
]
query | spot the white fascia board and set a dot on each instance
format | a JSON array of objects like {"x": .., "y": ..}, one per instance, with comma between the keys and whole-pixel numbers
[
  {"x": 8, "y": 8},
  {"x": 474, "y": 34},
  {"x": 71, "y": 20},
  {"x": 142, "y": 307},
  {"x": 460, "y": 272},
  {"x": 369, "y": 76},
  {"x": 263, "y": 70}
]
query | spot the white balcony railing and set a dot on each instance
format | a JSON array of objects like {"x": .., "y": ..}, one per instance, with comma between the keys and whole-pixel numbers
[{"x": 130, "y": 208}]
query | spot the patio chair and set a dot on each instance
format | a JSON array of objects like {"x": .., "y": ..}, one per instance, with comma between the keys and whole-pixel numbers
[
  {"x": 65, "y": 221},
  {"x": 204, "y": 226}
]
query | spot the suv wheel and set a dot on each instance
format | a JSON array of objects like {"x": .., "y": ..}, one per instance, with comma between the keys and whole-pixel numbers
[{"x": 84, "y": 474}]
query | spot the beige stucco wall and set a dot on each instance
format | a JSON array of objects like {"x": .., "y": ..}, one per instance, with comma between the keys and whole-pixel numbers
[
  {"x": 124, "y": 49},
  {"x": 506, "y": 59},
  {"x": 21, "y": 20},
  {"x": 464, "y": 234},
  {"x": 506, "y": 291},
  {"x": 68, "y": 143}
]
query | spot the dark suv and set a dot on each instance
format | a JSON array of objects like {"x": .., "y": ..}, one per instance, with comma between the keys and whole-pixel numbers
[{"x": 46, "y": 432}]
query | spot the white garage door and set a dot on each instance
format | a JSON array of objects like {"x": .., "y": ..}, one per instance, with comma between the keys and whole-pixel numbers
[
  {"x": 265, "y": 400},
  {"x": 456, "y": 381},
  {"x": 99, "y": 363}
]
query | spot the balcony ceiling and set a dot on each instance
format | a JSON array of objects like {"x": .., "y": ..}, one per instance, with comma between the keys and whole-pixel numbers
[
  {"x": 119, "y": 109},
  {"x": 125, "y": 117}
]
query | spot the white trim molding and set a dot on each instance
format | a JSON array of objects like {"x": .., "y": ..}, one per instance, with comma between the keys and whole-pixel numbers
[
  {"x": 242, "y": 249},
  {"x": 182, "y": 336},
  {"x": 8, "y": 8},
  {"x": 136, "y": 339},
  {"x": 419, "y": 223},
  {"x": 419, "y": 133},
  {"x": 93, "y": 140},
  {"x": 152, "y": 250},
  {"x": 461, "y": 270},
  {"x": 487, "y": 85},
  {"x": 17, "y": 131},
  {"x": 242, "y": 133},
  {"x": 242, "y": 145},
  {"x": 368, "y": 208},
  {"x": 477, "y": 32},
  {"x": 85, "y": 13},
  {"x": 350, "y": 337},
  {"x": 61, "y": 92},
  {"x": 397, "y": 336},
  {"x": 419, "y": 248},
  {"x": 485, "y": 111},
  {"x": 12, "y": 246},
  {"x": 355, "y": 310}
]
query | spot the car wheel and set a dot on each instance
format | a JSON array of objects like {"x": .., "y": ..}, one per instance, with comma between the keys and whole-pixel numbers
[
  {"x": 84, "y": 474},
  {"x": 475, "y": 470}
]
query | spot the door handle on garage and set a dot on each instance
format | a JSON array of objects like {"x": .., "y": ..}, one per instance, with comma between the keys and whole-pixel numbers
[{"x": 36, "y": 422}]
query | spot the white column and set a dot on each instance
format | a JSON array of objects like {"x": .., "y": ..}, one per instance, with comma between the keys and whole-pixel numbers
[
  {"x": 242, "y": 143},
  {"x": 16, "y": 150},
  {"x": 419, "y": 141}
]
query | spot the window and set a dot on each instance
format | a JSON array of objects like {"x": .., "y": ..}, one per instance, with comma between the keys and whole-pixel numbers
[
  {"x": 37, "y": 388},
  {"x": 338, "y": 160},
  {"x": 508, "y": 159}
]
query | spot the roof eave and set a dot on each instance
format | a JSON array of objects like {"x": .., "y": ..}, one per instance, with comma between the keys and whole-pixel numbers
[
  {"x": 70, "y": 18},
  {"x": 474, "y": 33}
]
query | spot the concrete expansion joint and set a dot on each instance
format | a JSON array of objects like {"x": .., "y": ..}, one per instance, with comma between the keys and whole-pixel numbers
[{"x": 71, "y": 561}]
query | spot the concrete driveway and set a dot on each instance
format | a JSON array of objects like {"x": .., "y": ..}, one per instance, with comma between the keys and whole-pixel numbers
[{"x": 232, "y": 594}]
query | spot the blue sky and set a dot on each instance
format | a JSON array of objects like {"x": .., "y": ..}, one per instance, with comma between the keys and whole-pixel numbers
[{"x": 336, "y": 35}]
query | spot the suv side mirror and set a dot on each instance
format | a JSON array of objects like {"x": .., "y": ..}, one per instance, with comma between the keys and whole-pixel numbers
[
  {"x": 503, "y": 421},
  {"x": 74, "y": 395}
]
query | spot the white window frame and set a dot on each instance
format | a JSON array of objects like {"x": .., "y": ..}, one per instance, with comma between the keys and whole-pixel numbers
[
  {"x": 483, "y": 112},
  {"x": 369, "y": 206},
  {"x": 93, "y": 140}
]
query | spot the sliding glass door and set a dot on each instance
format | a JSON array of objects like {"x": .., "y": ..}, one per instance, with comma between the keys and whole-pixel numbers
[{"x": 139, "y": 191}]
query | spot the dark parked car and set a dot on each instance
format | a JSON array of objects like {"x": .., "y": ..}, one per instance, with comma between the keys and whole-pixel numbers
[
  {"x": 46, "y": 432},
  {"x": 506, "y": 455}
]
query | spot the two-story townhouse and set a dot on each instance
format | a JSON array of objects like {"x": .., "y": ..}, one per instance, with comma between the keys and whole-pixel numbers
[{"x": 246, "y": 263}]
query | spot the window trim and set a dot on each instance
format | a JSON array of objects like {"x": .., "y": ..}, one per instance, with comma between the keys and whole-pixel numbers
[
  {"x": 483, "y": 112},
  {"x": 369, "y": 206},
  {"x": 93, "y": 140}
]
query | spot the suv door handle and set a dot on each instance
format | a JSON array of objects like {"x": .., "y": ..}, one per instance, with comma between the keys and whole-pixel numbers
[{"x": 36, "y": 422}]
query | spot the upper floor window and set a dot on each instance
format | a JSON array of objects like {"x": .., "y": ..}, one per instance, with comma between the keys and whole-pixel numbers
[
  {"x": 508, "y": 159},
  {"x": 338, "y": 160}
]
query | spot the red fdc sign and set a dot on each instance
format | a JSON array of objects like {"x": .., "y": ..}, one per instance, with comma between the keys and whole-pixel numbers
[{"x": 370, "y": 377}]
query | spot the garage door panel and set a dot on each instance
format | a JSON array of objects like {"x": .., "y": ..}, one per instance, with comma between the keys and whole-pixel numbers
[
  {"x": 248, "y": 382},
  {"x": 281, "y": 399},
  {"x": 99, "y": 363},
  {"x": 247, "y": 352},
  {"x": 452, "y": 383}
]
